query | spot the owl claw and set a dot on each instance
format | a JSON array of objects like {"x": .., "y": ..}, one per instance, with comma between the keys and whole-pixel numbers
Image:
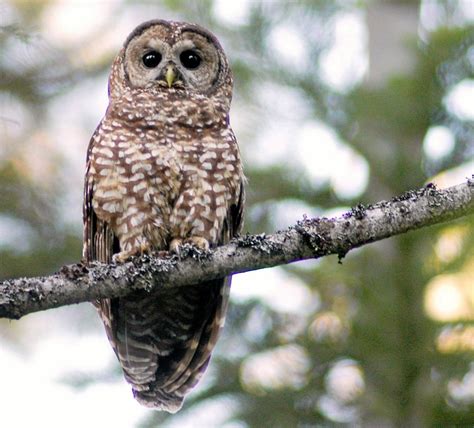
[
  {"x": 199, "y": 242},
  {"x": 175, "y": 244},
  {"x": 196, "y": 241},
  {"x": 123, "y": 256}
]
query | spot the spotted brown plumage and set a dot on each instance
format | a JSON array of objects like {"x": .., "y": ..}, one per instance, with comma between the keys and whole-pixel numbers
[{"x": 163, "y": 169}]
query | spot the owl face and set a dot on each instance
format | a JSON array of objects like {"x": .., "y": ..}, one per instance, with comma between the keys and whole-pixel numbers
[{"x": 173, "y": 55}]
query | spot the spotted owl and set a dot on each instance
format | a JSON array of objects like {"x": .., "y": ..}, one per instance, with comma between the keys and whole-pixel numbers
[{"x": 163, "y": 169}]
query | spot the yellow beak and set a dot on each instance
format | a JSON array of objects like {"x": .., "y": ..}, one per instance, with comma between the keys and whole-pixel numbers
[{"x": 170, "y": 75}]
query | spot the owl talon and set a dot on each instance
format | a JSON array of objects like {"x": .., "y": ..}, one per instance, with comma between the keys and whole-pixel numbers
[
  {"x": 199, "y": 242},
  {"x": 123, "y": 256},
  {"x": 176, "y": 243},
  {"x": 145, "y": 248},
  {"x": 195, "y": 241}
]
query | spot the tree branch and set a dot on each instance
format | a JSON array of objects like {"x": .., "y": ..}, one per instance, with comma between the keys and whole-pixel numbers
[{"x": 309, "y": 238}]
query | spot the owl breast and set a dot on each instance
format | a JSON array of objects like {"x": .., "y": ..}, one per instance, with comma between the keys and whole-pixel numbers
[
  {"x": 160, "y": 181},
  {"x": 136, "y": 181}
]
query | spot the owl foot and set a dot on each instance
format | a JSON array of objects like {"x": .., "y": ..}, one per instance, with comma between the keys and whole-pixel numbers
[
  {"x": 196, "y": 241},
  {"x": 123, "y": 256}
]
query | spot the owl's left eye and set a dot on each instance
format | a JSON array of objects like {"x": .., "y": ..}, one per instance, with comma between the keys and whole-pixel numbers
[
  {"x": 190, "y": 59},
  {"x": 151, "y": 59}
]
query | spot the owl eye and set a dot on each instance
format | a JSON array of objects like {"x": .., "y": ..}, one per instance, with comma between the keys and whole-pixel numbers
[
  {"x": 190, "y": 59},
  {"x": 151, "y": 59}
]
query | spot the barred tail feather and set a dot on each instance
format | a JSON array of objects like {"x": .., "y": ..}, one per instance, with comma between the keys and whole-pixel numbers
[{"x": 164, "y": 340}]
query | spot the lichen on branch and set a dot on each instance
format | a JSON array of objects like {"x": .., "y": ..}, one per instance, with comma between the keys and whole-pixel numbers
[{"x": 309, "y": 238}]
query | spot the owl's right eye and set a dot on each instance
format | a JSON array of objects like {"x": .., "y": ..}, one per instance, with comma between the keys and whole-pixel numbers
[{"x": 151, "y": 59}]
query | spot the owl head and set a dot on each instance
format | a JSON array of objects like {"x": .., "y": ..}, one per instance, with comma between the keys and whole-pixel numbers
[{"x": 167, "y": 55}]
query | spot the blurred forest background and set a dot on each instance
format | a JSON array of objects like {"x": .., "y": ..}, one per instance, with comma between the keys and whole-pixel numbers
[{"x": 335, "y": 103}]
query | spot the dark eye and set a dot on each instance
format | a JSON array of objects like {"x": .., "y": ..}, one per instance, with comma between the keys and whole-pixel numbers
[
  {"x": 190, "y": 59},
  {"x": 151, "y": 59}
]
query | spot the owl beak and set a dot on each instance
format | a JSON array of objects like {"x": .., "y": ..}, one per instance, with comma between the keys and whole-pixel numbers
[{"x": 170, "y": 76}]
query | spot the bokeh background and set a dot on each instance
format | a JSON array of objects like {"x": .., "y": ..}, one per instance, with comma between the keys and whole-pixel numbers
[{"x": 335, "y": 103}]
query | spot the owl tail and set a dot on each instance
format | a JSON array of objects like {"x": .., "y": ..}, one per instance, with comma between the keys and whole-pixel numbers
[{"x": 164, "y": 340}]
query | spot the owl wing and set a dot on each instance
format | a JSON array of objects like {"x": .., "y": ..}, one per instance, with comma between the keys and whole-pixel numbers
[
  {"x": 235, "y": 218},
  {"x": 99, "y": 241}
]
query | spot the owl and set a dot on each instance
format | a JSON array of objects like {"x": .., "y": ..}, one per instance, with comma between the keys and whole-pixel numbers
[{"x": 163, "y": 170}]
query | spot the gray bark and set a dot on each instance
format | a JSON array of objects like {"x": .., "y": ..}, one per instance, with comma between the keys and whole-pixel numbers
[{"x": 309, "y": 238}]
